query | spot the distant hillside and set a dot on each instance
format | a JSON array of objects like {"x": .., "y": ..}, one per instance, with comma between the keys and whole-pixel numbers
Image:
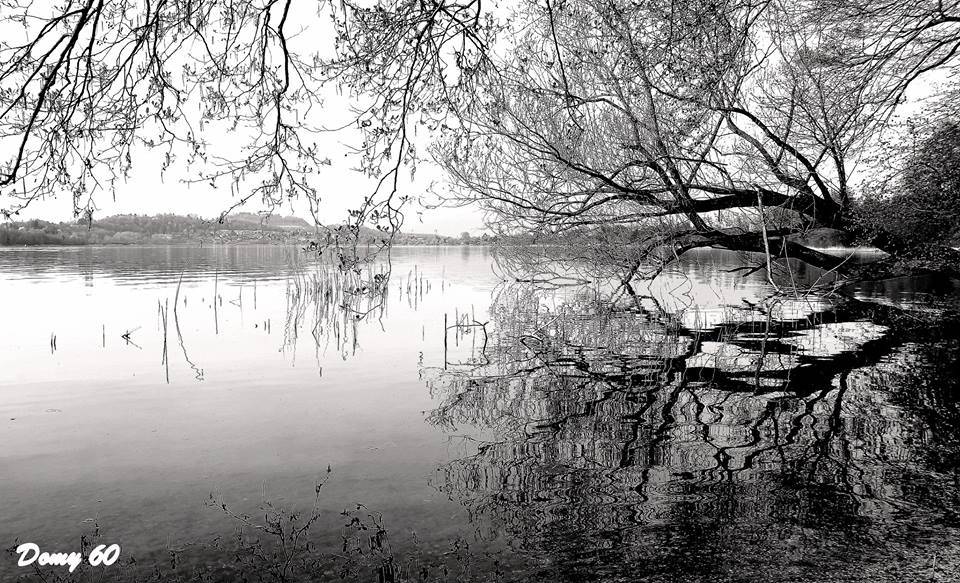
[
  {"x": 170, "y": 228},
  {"x": 255, "y": 221}
]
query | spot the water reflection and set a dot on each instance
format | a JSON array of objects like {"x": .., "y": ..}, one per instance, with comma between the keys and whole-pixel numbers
[
  {"x": 695, "y": 428},
  {"x": 247, "y": 376},
  {"x": 133, "y": 265},
  {"x": 772, "y": 439}
]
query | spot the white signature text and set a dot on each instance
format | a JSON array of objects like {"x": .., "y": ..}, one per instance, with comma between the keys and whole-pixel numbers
[{"x": 101, "y": 555}]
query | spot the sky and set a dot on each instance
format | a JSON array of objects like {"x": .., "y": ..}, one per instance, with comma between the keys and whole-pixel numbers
[{"x": 340, "y": 186}]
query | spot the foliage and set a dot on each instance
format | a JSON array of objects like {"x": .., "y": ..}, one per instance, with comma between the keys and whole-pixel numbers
[{"x": 919, "y": 218}]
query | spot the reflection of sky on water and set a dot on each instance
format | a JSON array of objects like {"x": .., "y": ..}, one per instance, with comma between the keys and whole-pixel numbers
[
  {"x": 721, "y": 431},
  {"x": 93, "y": 430}
]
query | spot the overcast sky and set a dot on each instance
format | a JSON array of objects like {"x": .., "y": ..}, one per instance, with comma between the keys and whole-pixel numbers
[{"x": 339, "y": 186}]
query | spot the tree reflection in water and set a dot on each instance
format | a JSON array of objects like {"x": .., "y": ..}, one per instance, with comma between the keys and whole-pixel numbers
[{"x": 807, "y": 439}]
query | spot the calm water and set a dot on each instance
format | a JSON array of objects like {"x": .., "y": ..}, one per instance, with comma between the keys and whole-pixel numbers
[{"x": 703, "y": 432}]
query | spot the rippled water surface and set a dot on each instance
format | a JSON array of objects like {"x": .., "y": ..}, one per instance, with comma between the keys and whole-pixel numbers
[{"x": 701, "y": 430}]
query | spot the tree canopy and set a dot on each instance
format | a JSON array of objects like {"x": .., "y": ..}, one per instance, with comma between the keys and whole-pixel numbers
[
  {"x": 732, "y": 124},
  {"x": 920, "y": 220},
  {"x": 737, "y": 123}
]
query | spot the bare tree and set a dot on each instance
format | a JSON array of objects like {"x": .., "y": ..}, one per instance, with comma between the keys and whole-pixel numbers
[
  {"x": 734, "y": 125},
  {"x": 233, "y": 91}
]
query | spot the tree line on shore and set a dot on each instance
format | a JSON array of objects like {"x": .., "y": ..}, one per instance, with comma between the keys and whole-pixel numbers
[{"x": 174, "y": 228}]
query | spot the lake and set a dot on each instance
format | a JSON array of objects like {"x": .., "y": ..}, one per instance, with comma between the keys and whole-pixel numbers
[{"x": 703, "y": 428}]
